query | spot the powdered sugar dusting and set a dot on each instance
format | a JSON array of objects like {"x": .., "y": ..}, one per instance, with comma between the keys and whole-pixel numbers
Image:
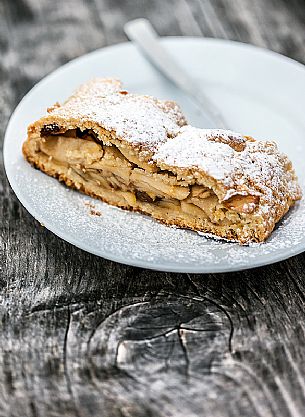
[
  {"x": 141, "y": 120},
  {"x": 193, "y": 147}
]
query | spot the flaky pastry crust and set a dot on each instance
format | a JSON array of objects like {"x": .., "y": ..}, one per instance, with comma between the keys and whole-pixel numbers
[{"x": 137, "y": 153}]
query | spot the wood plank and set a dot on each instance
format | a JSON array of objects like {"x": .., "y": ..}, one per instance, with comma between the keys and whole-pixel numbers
[{"x": 82, "y": 336}]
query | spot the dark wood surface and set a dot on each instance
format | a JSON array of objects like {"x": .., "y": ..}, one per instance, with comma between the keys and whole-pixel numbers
[{"x": 83, "y": 336}]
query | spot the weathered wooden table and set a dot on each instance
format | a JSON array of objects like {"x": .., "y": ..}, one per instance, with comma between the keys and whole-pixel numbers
[{"x": 82, "y": 336}]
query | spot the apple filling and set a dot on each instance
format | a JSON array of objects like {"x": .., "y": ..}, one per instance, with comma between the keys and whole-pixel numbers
[{"x": 115, "y": 174}]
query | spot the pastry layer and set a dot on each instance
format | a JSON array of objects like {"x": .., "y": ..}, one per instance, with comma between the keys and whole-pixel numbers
[{"x": 131, "y": 152}]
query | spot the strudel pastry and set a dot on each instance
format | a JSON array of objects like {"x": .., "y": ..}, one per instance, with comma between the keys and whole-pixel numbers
[{"x": 138, "y": 153}]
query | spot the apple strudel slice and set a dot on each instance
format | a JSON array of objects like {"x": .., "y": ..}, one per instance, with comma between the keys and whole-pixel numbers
[{"x": 136, "y": 152}]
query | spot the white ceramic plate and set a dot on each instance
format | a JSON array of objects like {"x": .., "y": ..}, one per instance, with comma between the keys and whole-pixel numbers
[{"x": 261, "y": 93}]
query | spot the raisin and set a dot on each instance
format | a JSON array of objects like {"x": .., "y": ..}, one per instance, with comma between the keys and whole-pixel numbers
[{"x": 52, "y": 129}]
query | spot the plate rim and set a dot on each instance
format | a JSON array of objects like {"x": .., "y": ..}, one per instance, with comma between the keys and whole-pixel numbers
[{"x": 217, "y": 268}]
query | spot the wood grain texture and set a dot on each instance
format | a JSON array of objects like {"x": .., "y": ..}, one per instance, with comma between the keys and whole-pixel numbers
[{"x": 82, "y": 336}]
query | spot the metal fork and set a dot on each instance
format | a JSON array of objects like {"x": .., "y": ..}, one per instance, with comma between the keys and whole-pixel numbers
[{"x": 146, "y": 38}]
